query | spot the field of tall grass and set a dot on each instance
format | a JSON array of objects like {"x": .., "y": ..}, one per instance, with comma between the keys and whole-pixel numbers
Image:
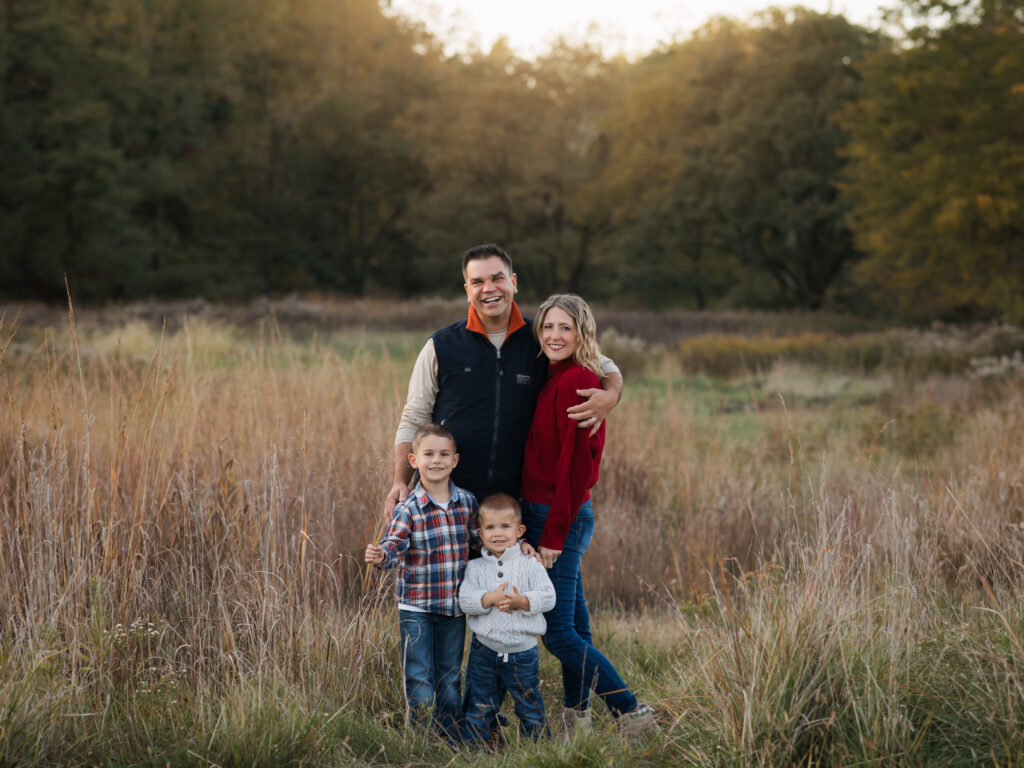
[{"x": 810, "y": 540}]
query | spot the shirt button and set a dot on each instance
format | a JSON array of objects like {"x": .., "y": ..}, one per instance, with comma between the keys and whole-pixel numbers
[
  {"x": 500, "y": 574},
  {"x": 499, "y": 562}
]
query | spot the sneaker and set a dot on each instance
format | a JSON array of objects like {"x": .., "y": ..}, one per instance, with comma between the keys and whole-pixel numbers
[
  {"x": 577, "y": 722},
  {"x": 639, "y": 722},
  {"x": 497, "y": 740}
]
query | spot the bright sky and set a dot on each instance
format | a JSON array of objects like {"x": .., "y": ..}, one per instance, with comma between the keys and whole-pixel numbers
[{"x": 619, "y": 26}]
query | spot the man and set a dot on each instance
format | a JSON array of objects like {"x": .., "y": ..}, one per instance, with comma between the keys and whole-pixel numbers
[{"x": 480, "y": 377}]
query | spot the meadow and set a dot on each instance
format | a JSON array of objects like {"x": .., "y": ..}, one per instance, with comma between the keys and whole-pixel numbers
[{"x": 809, "y": 548}]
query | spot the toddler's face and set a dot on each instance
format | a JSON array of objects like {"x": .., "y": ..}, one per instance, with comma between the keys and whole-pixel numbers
[{"x": 499, "y": 530}]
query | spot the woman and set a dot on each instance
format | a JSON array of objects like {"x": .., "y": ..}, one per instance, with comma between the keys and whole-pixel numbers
[{"x": 559, "y": 469}]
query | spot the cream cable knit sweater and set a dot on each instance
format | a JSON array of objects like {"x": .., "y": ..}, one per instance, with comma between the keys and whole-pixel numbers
[{"x": 506, "y": 632}]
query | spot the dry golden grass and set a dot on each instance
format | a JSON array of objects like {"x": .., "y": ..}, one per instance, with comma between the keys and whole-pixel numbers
[{"x": 181, "y": 519}]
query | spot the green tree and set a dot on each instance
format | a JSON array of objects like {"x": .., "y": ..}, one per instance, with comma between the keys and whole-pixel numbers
[
  {"x": 474, "y": 138},
  {"x": 936, "y": 164},
  {"x": 321, "y": 164},
  {"x": 570, "y": 224},
  {"x": 727, "y": 162},
  {"x": 206, "y": 147},
  {"x": 779, "y": 152},
  {"x": 516, "y": 153},
  {"x": 666, "y": 171},
  {"x": 68, "y": 189}
]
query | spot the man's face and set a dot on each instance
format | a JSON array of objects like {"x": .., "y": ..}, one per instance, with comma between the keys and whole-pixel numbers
[{"x": 490, "y": 288}]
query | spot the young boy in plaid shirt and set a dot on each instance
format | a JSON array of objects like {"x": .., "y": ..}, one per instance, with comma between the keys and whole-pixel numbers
[{"x": 428, "y": 540}]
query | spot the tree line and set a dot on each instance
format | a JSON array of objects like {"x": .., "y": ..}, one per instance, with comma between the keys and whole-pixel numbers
[{"x": 233, "y": 148}]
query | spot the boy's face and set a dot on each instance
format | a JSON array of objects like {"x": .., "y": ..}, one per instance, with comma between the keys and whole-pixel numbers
[
  {"x": 435, "y": 458},
  {"x": 499, "y": 529}
]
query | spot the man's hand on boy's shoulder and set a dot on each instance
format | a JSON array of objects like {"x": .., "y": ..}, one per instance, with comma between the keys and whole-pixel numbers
[
  {"x": 395, "y": 497},
  {"x": 402, "y": 478}
]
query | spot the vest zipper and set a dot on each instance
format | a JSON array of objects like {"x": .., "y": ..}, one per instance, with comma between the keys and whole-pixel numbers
[{"x": 497, "y": 414}]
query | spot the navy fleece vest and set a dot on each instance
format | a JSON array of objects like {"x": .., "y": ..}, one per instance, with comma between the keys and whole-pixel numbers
[{"x": 486, "y": 397}]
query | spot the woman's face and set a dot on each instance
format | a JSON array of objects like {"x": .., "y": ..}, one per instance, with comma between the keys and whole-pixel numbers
[{"x": 558, "y": 335}]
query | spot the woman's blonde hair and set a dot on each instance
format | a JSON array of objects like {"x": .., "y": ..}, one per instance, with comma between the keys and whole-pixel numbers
[{"x": 588, "y": 353}]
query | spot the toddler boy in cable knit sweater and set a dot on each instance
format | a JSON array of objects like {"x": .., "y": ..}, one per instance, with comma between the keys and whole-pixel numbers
[{"x": 504, "y": 595}]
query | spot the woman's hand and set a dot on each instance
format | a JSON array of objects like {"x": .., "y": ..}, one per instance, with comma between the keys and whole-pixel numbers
[
  {"x": 527, "y": 549},
  {"x": 548, "y": 556},
  {"x": 373, "y": 554}
]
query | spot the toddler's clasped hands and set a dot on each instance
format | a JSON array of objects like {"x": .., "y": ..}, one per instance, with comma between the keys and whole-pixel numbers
[{"x": 506, "y": 603}]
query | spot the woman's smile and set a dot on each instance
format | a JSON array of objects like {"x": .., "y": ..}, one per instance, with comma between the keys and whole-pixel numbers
[{"x": 558, "y": 335}]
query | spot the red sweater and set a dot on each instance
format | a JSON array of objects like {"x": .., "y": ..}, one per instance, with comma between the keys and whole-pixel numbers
[{"x": 562, "y": 461}]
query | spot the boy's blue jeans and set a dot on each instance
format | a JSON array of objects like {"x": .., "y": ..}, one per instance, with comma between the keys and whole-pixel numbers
[
  {"x": 568, "y": 637},
  {"x": 488, "y": 675},
  {"x": 432, "y": 647}
]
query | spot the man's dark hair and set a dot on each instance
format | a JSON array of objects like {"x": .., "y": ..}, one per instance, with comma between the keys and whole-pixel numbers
[{"x": 486, "y": 251}]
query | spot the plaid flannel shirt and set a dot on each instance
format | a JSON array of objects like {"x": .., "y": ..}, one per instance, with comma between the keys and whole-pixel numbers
[{"x": 429, "y": 544}]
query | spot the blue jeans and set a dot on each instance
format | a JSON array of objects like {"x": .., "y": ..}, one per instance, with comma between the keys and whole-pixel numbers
[
  {"x": 488, "y": 675},
  {"x": 584, "y": 668},
  {"x": 432, "y": 647}
]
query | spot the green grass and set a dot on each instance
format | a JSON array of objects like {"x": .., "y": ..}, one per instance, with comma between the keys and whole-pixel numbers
[{"x": 772, "y": 677}]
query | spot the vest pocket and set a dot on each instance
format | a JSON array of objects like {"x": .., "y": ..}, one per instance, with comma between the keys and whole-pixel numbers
[
  {"x": 468, "y": 378},
  {"x": 459, "y": 370}
]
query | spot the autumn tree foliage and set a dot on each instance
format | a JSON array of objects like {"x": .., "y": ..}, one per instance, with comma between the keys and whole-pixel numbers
[
  {"x": 232, "y": 149},
  {"x": 729, "y": 161},
  {"x": 935, "y": 176}
]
